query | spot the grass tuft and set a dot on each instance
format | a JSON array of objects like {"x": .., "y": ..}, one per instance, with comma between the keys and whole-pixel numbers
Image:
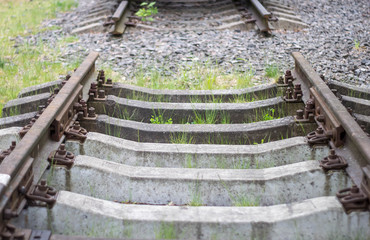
[
  {"x": 273, "y": 71},
  {"x": 166, "y": 231}
]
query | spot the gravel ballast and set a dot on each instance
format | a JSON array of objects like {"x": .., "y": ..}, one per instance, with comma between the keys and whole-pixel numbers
[{"x": 336, "y": 44}]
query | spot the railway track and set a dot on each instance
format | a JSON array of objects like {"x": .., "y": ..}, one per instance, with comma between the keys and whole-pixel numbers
[
  {"x": 112, "y": 160},
  {"x": 115, "y": 16}
]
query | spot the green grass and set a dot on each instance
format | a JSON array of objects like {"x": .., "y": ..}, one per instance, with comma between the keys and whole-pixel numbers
[
  {"x": 166, "y": 231},
  {"x": 158, "y": 118},
  {"x": 120, "y": 113},
  {"x": 190, "y": 162},
  {"x": 244, "y": 200},
  {"x": 69, "y": 39},
  {"x": 196, "y": 199},
  {"x": 209, "y": 117},
  {"x": 181, "y": 138},
  {"x": 244, "y": 80},
  {"x": 29, "y": 63},
  {"x": 357, "y": 44},
  {"x": 266, "y": 115},
  {"x": 273, "y": 71},
  {"x": 195, "y": 75}
]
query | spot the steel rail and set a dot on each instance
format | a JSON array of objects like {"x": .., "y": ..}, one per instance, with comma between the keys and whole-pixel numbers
[
  {"x": 261, "y": 15},
  {"x": 260, "y": 8},
  {"x": 119, "y": 18},
  {"x": 353, "y": 130},
  {"x": 356, "y": 147},
  {"x": 14, "y": 165},
  {"x": 119, "y": 11}
]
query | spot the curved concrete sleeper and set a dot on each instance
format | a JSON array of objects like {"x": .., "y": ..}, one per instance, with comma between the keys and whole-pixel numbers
[
  {"x": 100, "y": 218},
  {"x": 17, "y": 120},
  {"x": 25, "y": 105},
  {"x": 244, "y": 134},
  {"x": 133, "y": 153},
  {"x": 130, "y": 91},
  {"x": 47, "y": 87},
  {"x": 143, "y": 111},
  {"x": 219, "y": 187}
]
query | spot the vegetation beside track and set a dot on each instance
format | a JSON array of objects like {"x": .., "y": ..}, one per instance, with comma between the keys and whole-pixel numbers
[{"x": 24, "y": 64}]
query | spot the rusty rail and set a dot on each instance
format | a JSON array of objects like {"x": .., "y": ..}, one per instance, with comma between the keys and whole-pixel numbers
[
  {"x": 261, "y": 15},
  {"x": 352, "y": 143},
  {"x": 119, "y": 17},
  {"x": 16, "y": 169},
  {"x": 119, "y": 11},
  {"x": 353, "y": 131}
]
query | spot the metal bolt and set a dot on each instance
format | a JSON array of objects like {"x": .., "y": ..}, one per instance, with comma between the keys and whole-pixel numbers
[
  {"x": 310, "y": 104},
  {"x": 288, "y": 93},
  {"x": 93, "y": 86},
  {"x": 101, "y": 94},
  {"x": 332, "y": 154},
  {"x": 321, "y": 118},
  {"x": 80, "y": 116},
  {"x": 109, "y": 81},
  {"x": 299, "y": 114},
  {"x": 93, "y": 89},
  {"x": 320, "y": 130},
  {"x": 43, "y": 186},
  {"x": 76, "y": 125},
  {"x": 83, "y": 103},
  {"x": 62, "y": 149},
  {"x": 297, "y": 88},
  {"x": 102, "y": 74},
  {"x": 91, "y": 112},
  {"x": 100, "y": 83},
  {"x": 288, "y": 77},
  {"x": 22, "y": 190},
  {"x": 91, "y": 97},
  {"x": 56, "y": 90},
  {"x": 355, "y": 189}
]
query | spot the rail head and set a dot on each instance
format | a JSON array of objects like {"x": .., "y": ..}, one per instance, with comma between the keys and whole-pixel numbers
[
  {"x": 262, "y": 11},
  {"x": 119, "y": 11},
  {"x": 260, "y": 15}
]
